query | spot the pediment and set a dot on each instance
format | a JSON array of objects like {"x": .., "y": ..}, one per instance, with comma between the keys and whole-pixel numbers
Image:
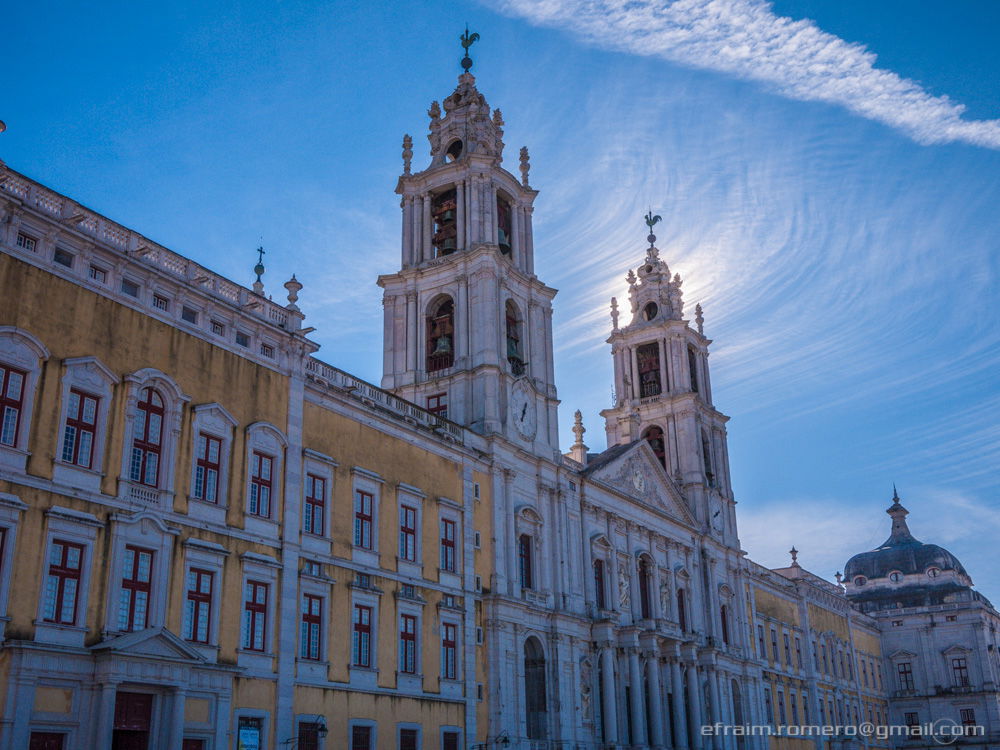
[
  {"x": 637, "y": 472},
  {"x": 902, "y": 654},
  {"x": 956, "y": 648},
  {"x": 156, "y": 643}
]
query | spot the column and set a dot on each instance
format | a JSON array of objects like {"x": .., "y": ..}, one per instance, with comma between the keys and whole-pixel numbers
[
  {"x": 694, "y": 705},
  {"x": 475, "y": 219},
  {"x": 655, "y": 700},
  {"x": 462, "y": 323},
  {"x": 529, "y": 241},
  {"x": 426, "y": 250},
  {"x": 515, "y": 235},
  {"x": 460, "y": 213},
  {"x": 666, "y": 706},
  {"x": 104, "y": 726},
  {"x": 492, "y": 213},
  {"x": 677, "y": 691},
  {"x": 637, "y": 696},
  {"x": 609, "y": 710},
  {"x": 713, "y": 686},
  {"x": 413, "y": 328},
  {"x": 175, "y": 716}
]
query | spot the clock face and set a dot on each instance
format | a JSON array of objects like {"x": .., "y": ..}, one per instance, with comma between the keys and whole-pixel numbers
[{"x": 522, "y": 410}]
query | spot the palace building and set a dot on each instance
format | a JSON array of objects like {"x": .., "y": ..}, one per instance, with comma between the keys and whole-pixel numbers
[{"x": 212, "y": 539}]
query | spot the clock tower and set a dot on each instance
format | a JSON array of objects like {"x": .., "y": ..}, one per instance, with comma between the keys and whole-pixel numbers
[{"x": 468, "y": 325}]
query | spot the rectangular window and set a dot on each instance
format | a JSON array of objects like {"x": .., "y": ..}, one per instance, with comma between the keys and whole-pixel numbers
[
  {"x": 447, "y": 545},
  {"x": 262, "y": 466},
  {"x": 161, "y": 303},
  {"x": 63, "y": 257},
  {"x": 147, "y": 430},
  {"x": 798, "y": 652},
  {"x": 62, "y": 584},
  {"x": 911, "y": 719},
  {"x": 774, "y": 646},
  {"x": 198, "y": 606},
  {"x": 80, "y": 428},
  {"x": 826, "y": 666},
  {"x": 189, "y": 315},
  {"x": 647, "y": 359},
  {"x": 207, "y": 468},
  {"x": 794, "y": 704},
  {"x": 864, "y": 673},
  {"x": 250, "y": 730},
  {"x": 788, "y": 650},
  {"x": 960, "y": 671},
  {"x": 312, "y": 516},
  {"x": 438, "y": 404},
  {"x": 133, "y": 602},
  {"x": 761, "y": 651},
  {"x": 599, "y": 585},
  {"x": 266, "y": 350},
  {"x": 905, "y": 671},
  {"x": 768, "y": 706},
  {"x": 11, "y": 398},
  {"x": 308, "y": 736},
  {"x": 312, "y": 627},
  {"x": 408, "y": 644},
  {"x": 362, "y": 636},
  {"x": 408, "y": 739},
  {"x": 449, "y": 740},
  {"x": 449, "y": 651},
  {"x": 363, "y": 510},
  {"x": 524, "y": 560},
  {"x": 218, "y": 328},
  {"x": 98, "y": 274},
  {"x": 27, "y": 242},
  {"x": 968, "y": 716},
  {"x": 242, "y": 339},
  {"x": 130, "y": 288},
  {"x": 361, "y": 737},
  {"x": 781, "y": 707},
  {"x": 407, "y": 533},
  {"x": 255, "y": 616}
]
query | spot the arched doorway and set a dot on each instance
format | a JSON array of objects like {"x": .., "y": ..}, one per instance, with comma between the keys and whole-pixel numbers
[{"x": 534, "y": 689}]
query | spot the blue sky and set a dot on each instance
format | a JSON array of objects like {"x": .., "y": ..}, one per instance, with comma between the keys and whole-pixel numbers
[{"x": 828, "y": 185}]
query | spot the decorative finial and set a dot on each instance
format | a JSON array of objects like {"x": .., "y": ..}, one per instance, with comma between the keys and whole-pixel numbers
[
  {"x": 631, "y": 277},
  {"x": 525, "y": 166},
  {"x": 795, "y": 556},
  {"x": 895, "y": 495},
  {"x": 294, "y": 286},
  {"x": 699, "y": 318},
  {"x": 614, "y": 313},
  {"x": 578, "y": 428},
  {"x": 258, "y": 285},
  {"x": 579, "y": 451},
  {"x": 434, "y": 112},
  {"x": 407, "y": 153},
  {"x": 651, "y": 221},
  {"x": 468, "y": 40},
  {"x": 840, "y": 578}
]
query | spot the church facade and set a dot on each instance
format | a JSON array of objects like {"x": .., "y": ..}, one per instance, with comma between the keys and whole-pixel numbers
[{"x": 211, "y": 539}]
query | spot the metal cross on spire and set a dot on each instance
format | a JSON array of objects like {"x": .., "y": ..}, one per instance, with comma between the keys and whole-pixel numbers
[{"x": 467, "y": 40}]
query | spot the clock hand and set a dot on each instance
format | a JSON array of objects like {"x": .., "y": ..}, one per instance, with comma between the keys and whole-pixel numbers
[{"x": 524, "y": 410}]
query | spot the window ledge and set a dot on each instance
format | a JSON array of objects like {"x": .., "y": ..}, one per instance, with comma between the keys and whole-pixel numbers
[{"x": 60, "y": 633}]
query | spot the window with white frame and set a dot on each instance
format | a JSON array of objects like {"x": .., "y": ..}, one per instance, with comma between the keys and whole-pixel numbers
[
  {"x": 136, "y": 586},
  {"x": 317, "y": 493},
  {"x": 212, "y": 431},
  {"x": 153, "y": 425},
  {"x": 62, "y": 581},
  {"x": 366, "y": 493},
  {"x": 314, "y": 508},
  {"x": 410, "y": 510},
  {"x": 364, "y": 519},
  {"x": 203, "y": 567},
  {"x": 449, "y": 651},
  {"x": 207, "y": 468},
  {"x": 68, "y": 556},
  {"x": 311, "y": 630},
  {"x": 11, "y": 509},
  {"x": 265, "y": 448},
  {"x": 255, "y": 603},
  {"x": 141, "y": 548},
  {"x": 528, "y": 527},
  {"x": 448, "y": 535},
  {"x": 259, "y": 604},
  {"x": 361, "y": 636},
  {"x": 407, "y": 533},
  {"x": 408, "y": 643},
  {"x": 86, "y": 395},
  {"x": 21, "y": 358}
]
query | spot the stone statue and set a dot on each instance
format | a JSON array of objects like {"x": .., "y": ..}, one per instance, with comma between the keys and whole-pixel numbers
[{"x": 624, "y": 586}]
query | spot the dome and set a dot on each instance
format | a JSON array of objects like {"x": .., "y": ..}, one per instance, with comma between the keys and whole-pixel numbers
[{"x": 902, "y": 552}]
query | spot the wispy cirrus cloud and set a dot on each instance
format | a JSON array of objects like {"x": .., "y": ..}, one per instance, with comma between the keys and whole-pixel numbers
[{"x": 745, "y": 38}]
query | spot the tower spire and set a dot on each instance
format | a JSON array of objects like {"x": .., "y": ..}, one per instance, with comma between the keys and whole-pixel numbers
[{"x": 900, "y": 533}]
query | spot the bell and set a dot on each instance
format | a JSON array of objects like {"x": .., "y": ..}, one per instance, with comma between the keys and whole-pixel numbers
[{"x": 442, "y": 345}]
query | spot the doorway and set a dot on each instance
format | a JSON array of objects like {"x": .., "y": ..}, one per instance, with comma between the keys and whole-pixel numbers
[{"x": 133, "y": 713}]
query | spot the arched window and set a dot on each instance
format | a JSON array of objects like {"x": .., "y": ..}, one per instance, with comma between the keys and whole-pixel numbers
[
  {"x": 650, "y": 310},
  {"x": 706, "y": 454},
  {"x": 445, "y": 223},
  {"x": 441, "y": 336},
  {"x": 503, "y": 225},
  {"x": 693, "y": 368},
  {"x": 534, "y": 689},
  {"x": 600, "y": 586},
  {"x": 645, "y": 581},
  {"x": 681, "y": 610},
  {"x": 654, "y": 436},
  {"x": 648, "y": 362},
  {"x": 147, "y": 439},
  {"x": 514, "y": 351},
  {"x": 525, "y": 572},
  {"x": 724, "y": 615}
]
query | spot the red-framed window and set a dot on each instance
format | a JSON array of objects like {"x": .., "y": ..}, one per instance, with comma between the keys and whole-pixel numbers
[
  {"x": 449, "y": 651},
  {"x": 524, "y": 570},
  {"x": 207, "y": 468},
  {"x": 255, "y": 616},
  {"x": 198, "y": 605},
  {"x": 133, "y": 601},
  {"x": 312, "y": 627},
  {"x": 80, "y": 428},
  {"x": 407, "y": 533},
  {"x": 599, "y": 585},
  {"x": 905, "y": 671},
  {"x": 362, "y": 636},
  {"x": 960, "y": 672},
  {"x": 261, "y": 482},
  {"x": 438, "y": 404},
  {"x": 147, "y": 434},
  {"x": 408, "y": 644},
  {"x": 361, "y": 737},
  {"x": 11, "y": 403},
  {"x": 447, "y": 545},
  {"x": 313, "y": 521},
  {"x": 364, "y": 506},
  {"x": 62, "y": 584},
  {"x": 968, "y": 716}
]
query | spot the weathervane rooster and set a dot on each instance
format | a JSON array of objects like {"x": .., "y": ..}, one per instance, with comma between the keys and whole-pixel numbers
[
  {"x": 651, "y": 222},
  {"x": 468, "y": 40}
]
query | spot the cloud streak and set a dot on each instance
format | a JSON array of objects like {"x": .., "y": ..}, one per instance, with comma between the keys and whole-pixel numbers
[{"x": 744, "y": 38}]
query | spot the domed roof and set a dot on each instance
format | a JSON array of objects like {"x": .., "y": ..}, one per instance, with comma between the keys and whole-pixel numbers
[{"x": 901, "y": 552}]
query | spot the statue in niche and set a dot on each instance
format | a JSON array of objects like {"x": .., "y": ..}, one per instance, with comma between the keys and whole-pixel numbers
[
  {"x": 624, "y": 584},
  {"x": 665, "y": 599},
  {"x": 586, "y": 688}
]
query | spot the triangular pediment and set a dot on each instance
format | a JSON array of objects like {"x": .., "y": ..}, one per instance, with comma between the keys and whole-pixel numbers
[
  {"x": 902, "y": 654},
  {"x": 635, "y": 471},
  {"x": 955, "y": 649},
  {"x": 156, "y": 643}
]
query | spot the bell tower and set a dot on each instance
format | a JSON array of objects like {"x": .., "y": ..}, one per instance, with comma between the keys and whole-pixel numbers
[
  {"x": 663, "y": 393},
  {"x": 468, "y": 325}
]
